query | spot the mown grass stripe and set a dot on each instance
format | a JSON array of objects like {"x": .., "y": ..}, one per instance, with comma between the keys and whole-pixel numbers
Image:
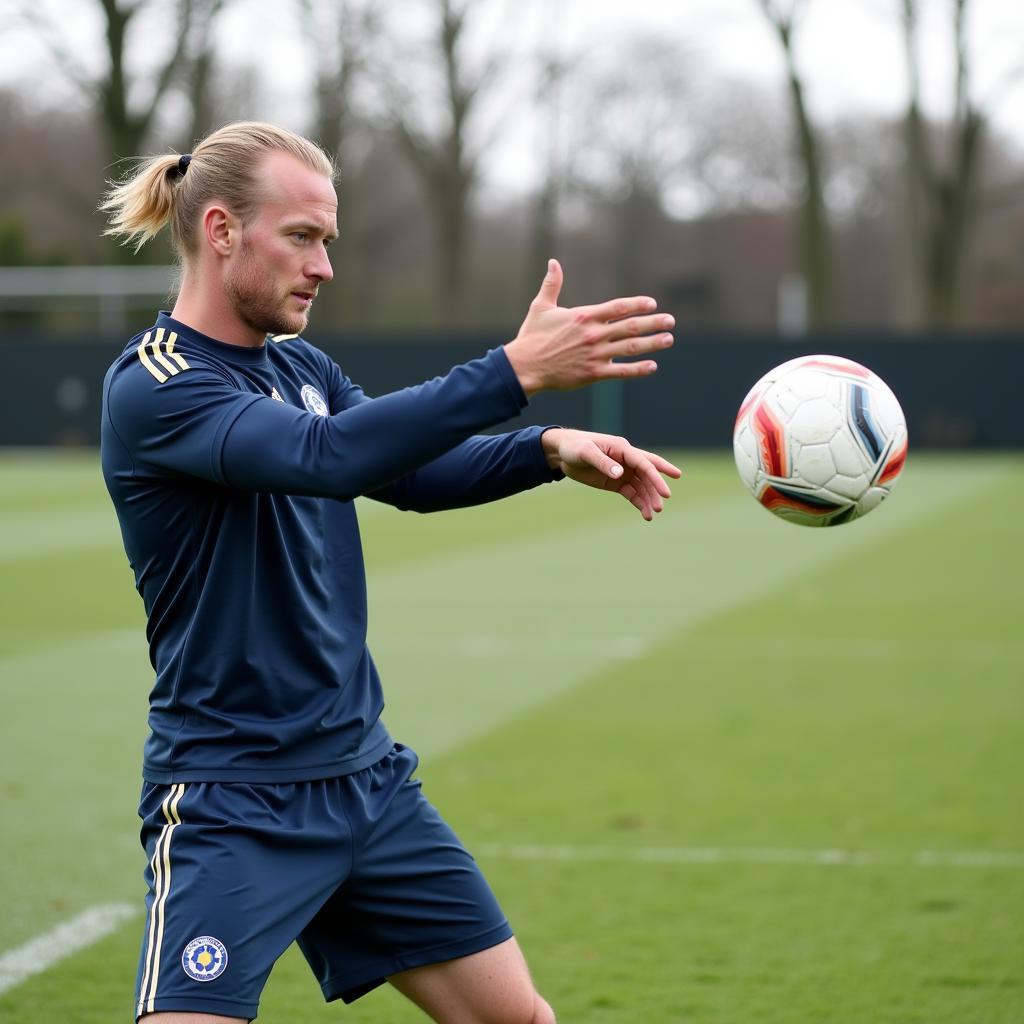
[
  {"x": 435, "y": 624},
  {"x": 44, "y": 531},
  {"x": 753, "y": 855},
  {"x": 42, "y": 952}
]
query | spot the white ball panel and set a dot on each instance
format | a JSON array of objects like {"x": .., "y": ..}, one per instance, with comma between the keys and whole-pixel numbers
[
  {"x": 806, "y": 383},
  {"x": 849, "y": 487},
  {"x": 814, "y": 465},
  {"x": 785, "y": 400},
  {"x": 874, "y": 497},
  {"x": 815, "y": 422},
  {"x": 745, "y": 453},
  {"x": 849, "y": 457}
]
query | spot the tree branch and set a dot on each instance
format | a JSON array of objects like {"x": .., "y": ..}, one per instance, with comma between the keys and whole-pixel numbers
[
  {"x": 65, "y": 58},
  {"x": 186, "y": 12},
  {"x": 999, "y": 92}
]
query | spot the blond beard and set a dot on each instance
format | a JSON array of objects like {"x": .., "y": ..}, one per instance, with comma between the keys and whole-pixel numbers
[{"x": 254, "y": 301}]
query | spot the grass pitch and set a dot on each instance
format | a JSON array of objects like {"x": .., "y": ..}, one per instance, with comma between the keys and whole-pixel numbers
[{"x": 718, "y": 768}]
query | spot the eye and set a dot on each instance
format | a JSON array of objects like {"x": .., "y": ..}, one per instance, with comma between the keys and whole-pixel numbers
[{"x": 300, "y": 236}]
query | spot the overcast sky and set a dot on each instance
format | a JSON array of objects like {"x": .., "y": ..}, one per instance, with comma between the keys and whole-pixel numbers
[{"x": 849, "y": 50}]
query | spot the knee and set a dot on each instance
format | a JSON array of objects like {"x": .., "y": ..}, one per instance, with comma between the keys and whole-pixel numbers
[
  {"x": 542, "y": 1012},
  {"x": 521, "y": 1011}
]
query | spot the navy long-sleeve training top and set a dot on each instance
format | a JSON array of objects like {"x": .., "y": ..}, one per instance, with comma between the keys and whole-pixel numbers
[{"x": 233, "y": 471}]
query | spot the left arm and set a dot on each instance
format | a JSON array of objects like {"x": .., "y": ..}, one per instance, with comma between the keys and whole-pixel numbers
[{"x": 483, "y": 468}]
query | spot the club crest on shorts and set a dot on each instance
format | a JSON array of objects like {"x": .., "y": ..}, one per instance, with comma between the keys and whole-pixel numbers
[
  {"x": 204, "y": 958},
  {"x": 313, "y": 400}
]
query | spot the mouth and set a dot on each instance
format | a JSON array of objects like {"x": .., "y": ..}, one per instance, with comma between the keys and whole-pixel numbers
[{"x": 306, "y": 298}]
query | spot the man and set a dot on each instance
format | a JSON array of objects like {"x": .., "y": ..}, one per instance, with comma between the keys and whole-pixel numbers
[{"x": 275, "y": 805}]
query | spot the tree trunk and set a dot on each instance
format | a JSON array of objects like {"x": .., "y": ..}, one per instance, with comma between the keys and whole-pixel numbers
[
  {"x": 815, "y": 245},
  {"x": 814, "y": 237}
]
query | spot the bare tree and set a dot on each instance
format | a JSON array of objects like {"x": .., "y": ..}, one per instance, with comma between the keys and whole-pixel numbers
[
  {"x": 442, "y": 143},
  {"x": 943, "y": 163},
  {"x": 815, "y": 245},
  {"x": 201, "y": 63},
  {"x": 739, "y": 158},
  {"x": 340, "y": 37},
  {"x": 126, "y": 116},
  {"x": 630, "y": 140},
  {"x": 543, "y": 236}
]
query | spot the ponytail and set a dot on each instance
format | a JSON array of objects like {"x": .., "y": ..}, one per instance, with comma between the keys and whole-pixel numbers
[{"x": 139, "y": 206}]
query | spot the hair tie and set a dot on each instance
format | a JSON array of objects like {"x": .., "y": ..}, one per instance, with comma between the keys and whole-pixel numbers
[{"x": 183, "y": 162}]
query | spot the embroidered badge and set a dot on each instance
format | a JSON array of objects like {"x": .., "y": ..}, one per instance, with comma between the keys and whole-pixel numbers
[
  {"x": 204, "y": 958},
  {"x": 313, "y": 400}
]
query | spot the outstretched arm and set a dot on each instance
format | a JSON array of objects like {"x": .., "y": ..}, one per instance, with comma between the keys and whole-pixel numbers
[
  {"x": 482, "y": 469},
  {"x": 611, "y": 463}
]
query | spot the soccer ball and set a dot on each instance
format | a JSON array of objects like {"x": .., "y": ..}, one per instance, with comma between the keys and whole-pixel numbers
[{"x": 820, "y": 440}]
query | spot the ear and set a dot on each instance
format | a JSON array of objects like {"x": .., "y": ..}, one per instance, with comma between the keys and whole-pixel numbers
[{"x": 221, "y": 229}]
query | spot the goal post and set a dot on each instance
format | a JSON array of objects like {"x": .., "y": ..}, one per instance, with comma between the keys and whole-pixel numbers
[{"x": 102, "y": 290}]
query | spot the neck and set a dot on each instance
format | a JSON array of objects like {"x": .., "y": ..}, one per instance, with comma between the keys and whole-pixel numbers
[{"x": 207, "y": 309}]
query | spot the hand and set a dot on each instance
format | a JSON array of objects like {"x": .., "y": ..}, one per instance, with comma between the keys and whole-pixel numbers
[
  {"x": 559, "y": 348},
  {"x": 611, "y": 464}
]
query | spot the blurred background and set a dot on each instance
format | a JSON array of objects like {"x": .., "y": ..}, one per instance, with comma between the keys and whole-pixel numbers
[{"x": 784, "y": 175}]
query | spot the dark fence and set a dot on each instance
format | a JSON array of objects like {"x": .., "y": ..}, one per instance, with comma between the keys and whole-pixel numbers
[{"x": 957, "y": 391}]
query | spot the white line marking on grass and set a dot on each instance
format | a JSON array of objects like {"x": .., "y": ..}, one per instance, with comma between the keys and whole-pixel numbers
[
  {"x": 41, "y": 953},
  {"x": 752, "y": 855}
]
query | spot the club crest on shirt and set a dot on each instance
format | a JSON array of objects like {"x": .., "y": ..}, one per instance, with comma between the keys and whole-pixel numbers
[
  {"x": 204, "y": 958},
  {"x": 313, "y": 400}
]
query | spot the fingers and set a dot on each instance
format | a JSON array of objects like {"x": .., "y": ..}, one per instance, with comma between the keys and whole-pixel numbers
[
  {"x": 643, "y": 485},
  {"x": 623, "y": 371},
  {"x": 637, "y": 346},
  {"x": 639, "y": 326},
  {"x": 647, "y": 476},
  {"x": 617, "y": 309},
  {"x": 633, "y": 497},
  {"x": 635, "y": 336},
  {"x": 660, "y": 464},
  {"x": 550, "y": 287}
]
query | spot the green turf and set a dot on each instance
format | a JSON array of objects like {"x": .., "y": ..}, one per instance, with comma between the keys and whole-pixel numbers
[{"x": 578, "y": 679}]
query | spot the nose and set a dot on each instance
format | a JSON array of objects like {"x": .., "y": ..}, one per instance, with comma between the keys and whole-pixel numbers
[{"x": 320, "y": 265}]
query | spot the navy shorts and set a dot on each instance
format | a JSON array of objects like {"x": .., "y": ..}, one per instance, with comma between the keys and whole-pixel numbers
[{"x": 360, "y": 870}]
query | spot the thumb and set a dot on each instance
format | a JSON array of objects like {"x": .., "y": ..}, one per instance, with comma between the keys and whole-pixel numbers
[
  {"x": 547, "y": 297},
  {"x": 600, "y": 460}
]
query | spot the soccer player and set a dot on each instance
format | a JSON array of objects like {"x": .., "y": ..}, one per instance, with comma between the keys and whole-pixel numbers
[{"x": 275, "y": 805}]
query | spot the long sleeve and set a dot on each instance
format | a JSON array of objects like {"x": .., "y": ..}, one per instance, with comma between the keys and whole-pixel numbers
[
  {"x": 481, "y": 469},
  {"x": 197, "y": 423}
]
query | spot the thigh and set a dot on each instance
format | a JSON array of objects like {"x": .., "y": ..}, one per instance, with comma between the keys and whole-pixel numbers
[
  {"x": 489, "y": 987},
  {"x": 414, "y": 895},
  {"x": 190, "y": 1018},
  {"x": 230, "y": 887}
]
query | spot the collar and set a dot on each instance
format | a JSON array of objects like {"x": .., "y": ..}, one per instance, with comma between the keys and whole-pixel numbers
[{"x": 240, "y": 355}]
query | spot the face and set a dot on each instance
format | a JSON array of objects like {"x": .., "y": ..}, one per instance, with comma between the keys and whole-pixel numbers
[{"x": 282, "y": 259}]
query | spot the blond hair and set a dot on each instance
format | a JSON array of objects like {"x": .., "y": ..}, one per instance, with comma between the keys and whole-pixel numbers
[{"x": 223, "y": 167}]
